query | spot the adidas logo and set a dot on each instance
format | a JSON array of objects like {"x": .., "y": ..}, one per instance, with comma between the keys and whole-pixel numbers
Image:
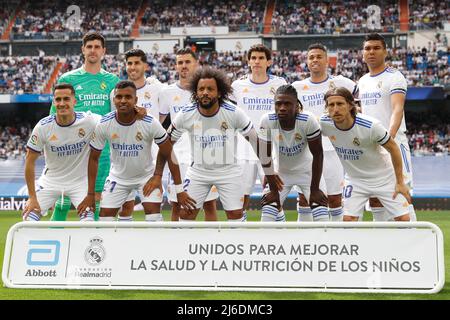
[
  {"x": 53, "y": 138},
  {"x": 79, "y": 87}
]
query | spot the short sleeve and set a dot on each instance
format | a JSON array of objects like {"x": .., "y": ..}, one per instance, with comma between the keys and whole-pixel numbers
[
  {"x": 242, "y": 122},
  {"x": 158, "y": 132},
  {"x": 163, "y": 105},
  {"x": 264, "y": 132},
  {"x": 313, "y": 128},
  {"x": 379, "y": 133},
  {"x": 176, "y": 129},
  {"x": 36, "y": 141},
  {"x": 325, "y": 125},
  {"x": 398, "y": 84},
  {"x": 99, "y": 138}
]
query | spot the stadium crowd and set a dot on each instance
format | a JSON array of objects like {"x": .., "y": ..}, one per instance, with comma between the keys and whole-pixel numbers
[
  {"x": 13, "y": 140},
  {"x": 425, "y": 14},
  {"x": 331, "y": 17},
  {"x": 242, "y": 15},
  {"x": 40, "y": 20}
]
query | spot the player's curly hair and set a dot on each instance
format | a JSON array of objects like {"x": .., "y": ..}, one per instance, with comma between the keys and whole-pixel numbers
[
  {"x": 223, "y": 82},
  {"x": 289, "y": 90},
  {"x": 344, "y": 93}
]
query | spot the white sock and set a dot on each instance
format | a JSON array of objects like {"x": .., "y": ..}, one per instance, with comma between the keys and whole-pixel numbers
[
  {"x": 106, "y": 219},
  {"x": 412, "y": 213},
  {"x": 33, "y": 216},
  {"x": 379, "y": 214},
  {"x": 320, "y": 213},
  {"x": 281, "y": 216},
  {"x": 269, "y": 213},
  {"x": 336, "y": 214},
  {"x": 304, "y": 213},
  {"x": 125, "y": 219},
  {"x": 154, "y": 217},
  {"x": 87, "y": 216}
]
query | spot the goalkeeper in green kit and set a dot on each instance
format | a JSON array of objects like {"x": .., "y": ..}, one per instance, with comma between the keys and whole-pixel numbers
[{"x": 93, "y": 92}]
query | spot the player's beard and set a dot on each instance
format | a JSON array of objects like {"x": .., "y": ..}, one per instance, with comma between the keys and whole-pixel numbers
[{"x": 208, "y": 105}]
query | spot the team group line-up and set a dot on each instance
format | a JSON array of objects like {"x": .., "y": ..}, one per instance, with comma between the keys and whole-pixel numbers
[{"x": 339, "y": 144}]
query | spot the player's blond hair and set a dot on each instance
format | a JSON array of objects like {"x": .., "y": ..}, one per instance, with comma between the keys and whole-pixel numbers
[{"x": 344, "y": 93}]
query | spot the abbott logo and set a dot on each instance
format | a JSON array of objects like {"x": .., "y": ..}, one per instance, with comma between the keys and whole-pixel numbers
[{"x": 43, "y": 253}]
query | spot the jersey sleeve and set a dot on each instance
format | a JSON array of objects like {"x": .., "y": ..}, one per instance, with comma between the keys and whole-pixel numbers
[
  {"x": 111, "y": 100},
  {"x": 158, "y": 133},
  {"x": 313, "y": 128},
  {"x": 36, "y": 141},
  {"x": 99, "y": 137},
  {"x": 325, "y": 123},
  {"x": 232, "y": 97},
  {"x": 164, "y": 108},
  {"x": 398, "y": 84},
  {"x": 242, "y": 122},
  {"x": 176, "y": 129},
  {"x": 265, "y": 132},
  {"x": 379, "y": 133}
]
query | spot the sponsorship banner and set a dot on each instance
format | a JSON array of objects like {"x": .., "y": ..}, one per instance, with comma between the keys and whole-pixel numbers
[
  {"x": 29, "y": 98},
  {"x": 199, "y": 31},
  {"x": 253, "y": 256}
]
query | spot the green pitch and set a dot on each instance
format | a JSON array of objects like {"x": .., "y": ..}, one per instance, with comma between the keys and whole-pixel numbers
[{"x": 8, "y": 218}]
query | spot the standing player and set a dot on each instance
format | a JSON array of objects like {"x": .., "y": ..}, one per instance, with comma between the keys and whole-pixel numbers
[
  {"x": 132, "y": 164},
  {"x": 311, "y": 92},
  {"x": 370, "y": 170},
  {"x": 382, "y": 92},
  {"x": 297, "y": 144},
  {"x": 93, "y": 88},
  {"x": 148, "y": 91},
  {"x": 254, "y": 95},
  {"x": 64, "y": 138},
  {"x": 212, "y": 124},
  {"x": 172, "y": 99}
]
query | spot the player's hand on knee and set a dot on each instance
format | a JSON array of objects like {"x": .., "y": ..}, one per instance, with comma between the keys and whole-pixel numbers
[
  {"x": 271, "y": 197},
  {"x": 140, "y": 112},
  {"x": 402, "y": 189},
  {"x": 317, "y": 197},
  {"x": 186, "y": 202},
  {"x": 88, "y": 204},
  {"x": 275, "y": 182},
  {"x": 152, "y": 184},
  {"x": 31, "y": 205}
]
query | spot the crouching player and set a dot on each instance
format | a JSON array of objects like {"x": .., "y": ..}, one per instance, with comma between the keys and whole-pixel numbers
[
  {"x": 294, "y": 138},
  {"x": 132, "y": 166},
  {"x": 64, "y": 138},
  {"x": 370, "y": 170}
]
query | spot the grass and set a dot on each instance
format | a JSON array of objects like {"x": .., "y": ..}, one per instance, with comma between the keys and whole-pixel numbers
[{"x": 8, "y": 218}]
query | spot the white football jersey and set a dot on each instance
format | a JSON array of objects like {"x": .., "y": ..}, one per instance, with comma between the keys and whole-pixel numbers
[
  {"x": 148, "y": 96},
  {"x": 131, "y": 157},
  {"x": 360, "y": 149},
  {"x": 255, "y": 99},
  {"x": 311, "y": 95},
  {"x": 212, "y": 139},
  {"x": 172, "y": 99},
  {"x": 375, "y": 94},
  {"x": 290, "y": 148},
  {"x": 66, "y": 148}
]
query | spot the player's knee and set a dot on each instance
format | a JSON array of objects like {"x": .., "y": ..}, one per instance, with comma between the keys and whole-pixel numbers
[
  {"x": 404, "y": 217},
  {"x": 374, "y": 202},
  {"x": 234, "y": 214},
  {"x": 127, "y": 208},
  {"x": 302, "y": 200},
  {"x": 334, "y": 201},
  {"x": 186, "y": 215},
  {"x": 210, "y": 206},
  {"x": 350, "y": 218}
]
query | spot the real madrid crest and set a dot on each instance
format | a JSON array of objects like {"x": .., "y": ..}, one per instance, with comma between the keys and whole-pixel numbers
[
  {"x": 139, "y": 136},
  {"x": 103, "y": 86},
  {"x": 331, "y": 85},
  {"x": 81, "y": 133},
  {"x": 95, "y": 253},
  {"x": 224, "y": 126},
  {"x": 298, "y": 136},
  {"x": 356, "y": 142},
  {"x": 147, "y": 95}
]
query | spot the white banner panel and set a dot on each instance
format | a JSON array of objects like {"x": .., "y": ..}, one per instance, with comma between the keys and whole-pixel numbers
[
  {"x": 199, "y": 31},
  {"x": 159, "y": 46},
  {"x": 236, "y": 44},
  {"x": 250, "y": 256}
]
